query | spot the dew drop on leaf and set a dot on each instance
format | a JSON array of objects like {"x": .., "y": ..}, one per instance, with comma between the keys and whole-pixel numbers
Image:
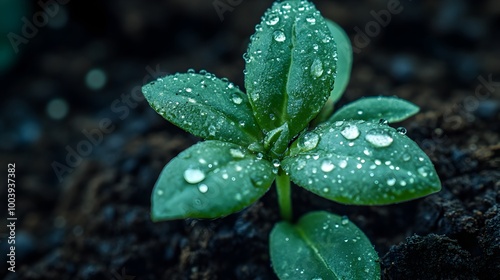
[
  {"x": 309, "y": 141},
  {"x": 273, "y": 21},
  {"x": 350, "y": 132},
  {"x": 279, "y": 36},
  {"x": 236, "y": 153},
  {"x": 203, "y": 188},
  {"x": 383, "y": 121},
  {"x": 343, "y": 164},
  {"x": 424, "y": 171},
  {"x": 406, "y": 157},
  {"x": 317, "y": 68},
  {"x": 311, "y": 20},
  {"x": 344, "y": 220},
  {"x": 211, "y": 130},
  {"x": 327, "y": 166},
  {"x": 379, "y": 138},
  {"x": 193, "y": 176},
  {"x": 391, "y": 182},
  {"x": 236, "y": 99},
  {"x": 401, "y": 130}
]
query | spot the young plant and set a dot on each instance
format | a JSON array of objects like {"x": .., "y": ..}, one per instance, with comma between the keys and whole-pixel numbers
[{"x": 270, "y": 134}]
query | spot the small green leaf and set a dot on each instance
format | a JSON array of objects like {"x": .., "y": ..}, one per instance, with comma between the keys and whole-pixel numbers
[
  {"x": 392, "y": 109},
  {"x": 290, "y": 66},
  {"x": 205, "y": 106},
  {"x": 344, "y": 66},
  {"x": 209, "y": 180},
  {"x": 322, "y": 246},
  {"x": 359, "y": 162},
  {"x": 344, "y": 62}
]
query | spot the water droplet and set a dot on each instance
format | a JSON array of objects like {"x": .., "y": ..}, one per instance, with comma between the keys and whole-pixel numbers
[
  {"x": 391, "y": 182},
  {"x": 350, "y": 132},
  {"x": 383, "y": 121},
  {"x": 189, "y": 90},
  {"x": 286, "y": 6},
  {"x": 309, "y": 141},
  {"x": 406, "y": 157},
  {"x": 259, "y": 156},
  {"x": 367, "y": 152},
  {"x": 159, "y": 192},
  {"x": 327, "y": 166},
  {"x": 311, "y": 20},
  {"x": 211, "y": 130},
  {"x": 236, "y": 153},
  {"x": 317, "y": 68},
  {"x": 379, "y": 138},
  {"x": 344, "y": 220},
  {"x": 401, "y": 130},
  {"x": 276, "y": 163},
  {"x": 236, "y": 99},
  {"x": 424, "y": 171},
  {"x": 193, "y": 176},
  {"x": 360, "y": 112},
  {"x": 203, "y": 188},
  {"x": 279, "y": 36},
  {"x": 273, "y": 21},
  {"x": 343, "y": 164}
]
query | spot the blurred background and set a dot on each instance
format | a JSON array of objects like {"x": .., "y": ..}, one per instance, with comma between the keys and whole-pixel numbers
[{"x": 88, "y": 148}]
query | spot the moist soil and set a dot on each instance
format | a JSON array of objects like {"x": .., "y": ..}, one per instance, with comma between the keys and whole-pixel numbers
[{"x": 95, "y": 222}]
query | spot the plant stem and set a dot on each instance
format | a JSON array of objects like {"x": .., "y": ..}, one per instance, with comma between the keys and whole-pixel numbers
[{"x": 284, "y": 195}]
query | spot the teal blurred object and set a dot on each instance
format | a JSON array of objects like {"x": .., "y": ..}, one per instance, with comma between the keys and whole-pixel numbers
[{"x": 11, "y": 12}]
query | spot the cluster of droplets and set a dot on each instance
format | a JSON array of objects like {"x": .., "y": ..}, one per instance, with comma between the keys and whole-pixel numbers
[
  {"x": 367, "y": 160},
  {"x": 185, "y": 98},
  {"x": 276, "y": 21},
  {"x": 203, "y": 172}
]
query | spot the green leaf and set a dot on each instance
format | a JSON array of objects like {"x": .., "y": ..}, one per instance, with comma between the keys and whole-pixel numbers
[
  {"x": 209, "y": 180},
  {"x": 205, "y": 106},
  {"x": 344, "y": 62},
  {"x": 359, "y": 162},
  {"x": 392, "y": 109},
  {"x": 322, "y": 246},
  {"x": 344, "y": 66},
  {"x": 290, "y": 66}
]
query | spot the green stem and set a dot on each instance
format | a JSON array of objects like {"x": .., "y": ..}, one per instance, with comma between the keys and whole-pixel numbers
[{"x": 284, "y": 195}]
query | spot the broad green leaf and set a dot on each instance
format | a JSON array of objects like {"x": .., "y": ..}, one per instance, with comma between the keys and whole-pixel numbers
[
  {"x": 209, "y": 180},
  {"x": 322, "y": 246},
  {"x": 392, "y": 109},
  {"x": 290, "y": 66},
  {"x": 359, "y": 162},
  {"x": 204, "y": 106}
]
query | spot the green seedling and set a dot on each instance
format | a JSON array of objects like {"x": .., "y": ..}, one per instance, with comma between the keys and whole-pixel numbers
[{"x": 283, "y": 130}]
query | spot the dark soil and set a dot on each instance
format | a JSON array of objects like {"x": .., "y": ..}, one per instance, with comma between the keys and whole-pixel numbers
[{"x": 95, "y": 224}]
